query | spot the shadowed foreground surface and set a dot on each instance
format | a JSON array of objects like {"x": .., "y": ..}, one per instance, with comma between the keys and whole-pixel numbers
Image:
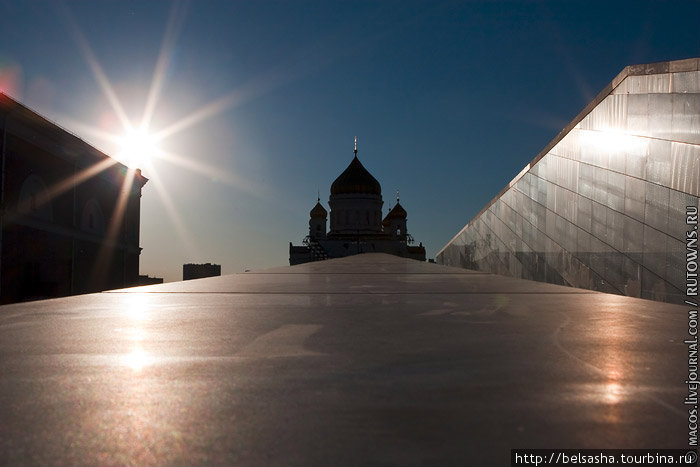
[{"x": 366, "y": 360}]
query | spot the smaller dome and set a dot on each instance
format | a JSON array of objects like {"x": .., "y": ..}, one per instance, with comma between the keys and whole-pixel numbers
[
  {"x": 397, "y": 212},
  {"x": 318, "y": 211}
]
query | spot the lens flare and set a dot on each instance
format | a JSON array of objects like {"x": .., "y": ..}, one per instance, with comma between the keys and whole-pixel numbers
[{"x": 137, "y": 148}]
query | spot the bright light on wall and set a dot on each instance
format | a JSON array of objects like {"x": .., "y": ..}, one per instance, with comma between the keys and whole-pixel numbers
[{"x": 613, "y": 141}]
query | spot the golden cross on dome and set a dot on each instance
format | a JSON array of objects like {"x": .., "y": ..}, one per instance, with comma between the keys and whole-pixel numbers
[{"x": 355, "y": 151}]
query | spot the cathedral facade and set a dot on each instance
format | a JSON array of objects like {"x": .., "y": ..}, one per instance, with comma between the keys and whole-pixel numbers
[{"x": 356, "y": 224}]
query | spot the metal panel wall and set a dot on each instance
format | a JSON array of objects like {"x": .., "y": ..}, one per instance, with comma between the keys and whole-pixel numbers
[{"x": 604, "y": 207}]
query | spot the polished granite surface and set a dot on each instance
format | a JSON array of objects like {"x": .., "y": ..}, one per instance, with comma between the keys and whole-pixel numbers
[{"x": 367, "y": 360}]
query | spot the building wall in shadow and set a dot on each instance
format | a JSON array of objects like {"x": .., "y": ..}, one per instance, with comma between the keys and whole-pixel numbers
[{"x": 70, "y": 215}]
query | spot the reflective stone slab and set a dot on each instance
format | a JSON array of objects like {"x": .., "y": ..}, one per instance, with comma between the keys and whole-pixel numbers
[{"x": 366, "y": 360}]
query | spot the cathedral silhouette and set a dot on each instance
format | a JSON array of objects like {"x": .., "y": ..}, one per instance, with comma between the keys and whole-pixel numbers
[{"x": 356, "y": 222}]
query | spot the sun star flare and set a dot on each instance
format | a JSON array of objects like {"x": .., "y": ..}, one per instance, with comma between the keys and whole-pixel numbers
[{"x": 137, "y": 148}]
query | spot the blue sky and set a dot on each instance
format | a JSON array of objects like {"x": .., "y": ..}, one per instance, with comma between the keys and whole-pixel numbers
[{"x": 258, "y": 102}]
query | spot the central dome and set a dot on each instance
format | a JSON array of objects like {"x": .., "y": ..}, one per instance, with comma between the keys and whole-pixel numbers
[{"x": 356, "y": 179}]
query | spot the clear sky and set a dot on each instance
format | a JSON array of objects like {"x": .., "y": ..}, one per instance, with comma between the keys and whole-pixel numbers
[{"x": 255, "y": 105}]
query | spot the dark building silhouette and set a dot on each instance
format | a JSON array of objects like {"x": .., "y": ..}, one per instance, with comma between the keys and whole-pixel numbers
[
  {"x": 199, "y": 271},
  {"x": 356, "y": 224},
  {"x": 148, "y": 280},
  {"x": 69, "y": 214}
]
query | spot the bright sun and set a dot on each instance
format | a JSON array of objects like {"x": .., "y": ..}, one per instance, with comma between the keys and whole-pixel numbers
[{"x": 137, "y": 148}]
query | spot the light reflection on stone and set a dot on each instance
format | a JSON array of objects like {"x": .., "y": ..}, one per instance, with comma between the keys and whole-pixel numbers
[
  {"x": 136, "y": 334},
  {"x": 137, "y": 305},
  {"x": 137, "y": 308},
  {"x": 137, "y": 359},
  {"x": 612, "y": 393},
  {"x": 615, "y": 359}
]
